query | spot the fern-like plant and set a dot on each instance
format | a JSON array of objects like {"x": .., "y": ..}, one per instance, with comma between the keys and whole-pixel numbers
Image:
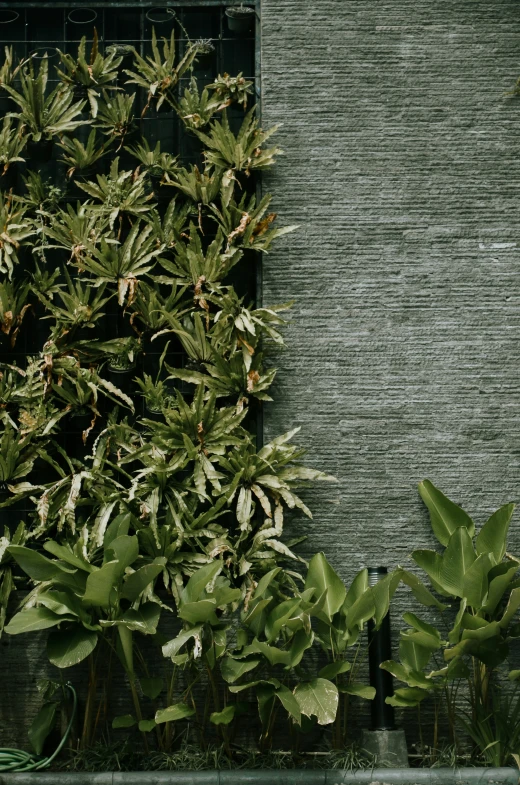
[
  {"x": 86, "y": 76},
  {"x": 158, "y": 73},
  {"x": 45, "y": 114}
]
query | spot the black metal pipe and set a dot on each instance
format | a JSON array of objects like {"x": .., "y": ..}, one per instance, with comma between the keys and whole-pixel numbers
[{"x": 379, "y": 650}]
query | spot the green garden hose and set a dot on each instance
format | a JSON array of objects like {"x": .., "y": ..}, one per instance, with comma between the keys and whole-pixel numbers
[{"x": 19, "y": 760}]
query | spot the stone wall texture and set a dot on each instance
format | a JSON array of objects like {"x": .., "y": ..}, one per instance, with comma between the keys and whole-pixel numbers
[{"x": 401, "y": 167}]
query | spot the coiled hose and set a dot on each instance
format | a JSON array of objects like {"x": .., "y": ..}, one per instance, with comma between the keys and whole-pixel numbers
[{"x": 19, "y": 760}]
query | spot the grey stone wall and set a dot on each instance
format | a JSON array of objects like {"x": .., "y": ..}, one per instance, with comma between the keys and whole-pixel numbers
[{"x": 401, "y": 167}]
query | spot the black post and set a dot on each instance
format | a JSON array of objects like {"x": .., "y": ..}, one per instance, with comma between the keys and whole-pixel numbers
[{"x": 379, "y": 650}]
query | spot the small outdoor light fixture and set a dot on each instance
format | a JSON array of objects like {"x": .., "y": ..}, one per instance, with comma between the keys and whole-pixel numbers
[{"x": 379, "y": 650}]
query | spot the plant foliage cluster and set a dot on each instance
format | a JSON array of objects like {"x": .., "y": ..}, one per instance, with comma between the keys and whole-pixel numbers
[
  {"x": 165, "y": 516},
  {"x": 153, "y": 533}
]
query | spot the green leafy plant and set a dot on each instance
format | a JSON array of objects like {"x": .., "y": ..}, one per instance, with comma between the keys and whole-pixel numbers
[
  {"x": 7, "y": 583},
  {"x": 15, "y": 230},
  {"x": 119, "y": 193},
  {"x": 196, "y": 109},
  {"x": 80, "y": 156},
  {"x": 41, "y": 195},
  {"x": 88, "y": 76},
  {"x": 231, "y": 89},
  {"x": 45, "y": 114},
  {"x": 12, "y": 143},
  {"x": 8, "y": 71},
  {"x": 178, "y": 510},
  {"x": 123, "y": 263},
  {"x": 155, "y": 163},
  {"x": 81, "y": 600},
  {"x": 155, "y": 392},
  {"x": 243, "y": 152},
  {"x": 13, "y": 307},
  {"x": 473, "y": 572},
  {"x": 17, "y": 456},
  {"x": 158, "y": 73},
  {"x": 115, "y": 116}
]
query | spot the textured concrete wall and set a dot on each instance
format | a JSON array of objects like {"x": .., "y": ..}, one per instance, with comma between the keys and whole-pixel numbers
[{"x": 402, "y": 169}]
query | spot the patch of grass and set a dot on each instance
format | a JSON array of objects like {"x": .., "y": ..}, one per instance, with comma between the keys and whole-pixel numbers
[{"x": 127, "y": 756}]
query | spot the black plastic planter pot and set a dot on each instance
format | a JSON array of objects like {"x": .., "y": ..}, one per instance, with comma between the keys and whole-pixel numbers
[
  {"x": 240, "y": 20},
  {"x": 160, "y": 15},
  {"x": 155, "y": 415},
  {"x": 205, "y": 59},
  {"x": 121, "y": 377},
  {"x": 82, "y": 16},
  {"x": 40, "y": 152},
  {"x": 81, "y": 420},
  {"x": 8, "y": 16},
  {"x": 465, "y": 776}
]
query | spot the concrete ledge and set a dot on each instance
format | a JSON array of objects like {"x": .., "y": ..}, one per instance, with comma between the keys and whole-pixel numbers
[{"x": 441, "y": 776}]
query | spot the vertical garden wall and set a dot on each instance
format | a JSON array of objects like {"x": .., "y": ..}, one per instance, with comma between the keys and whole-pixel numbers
[{"x": 400, "y": 172}]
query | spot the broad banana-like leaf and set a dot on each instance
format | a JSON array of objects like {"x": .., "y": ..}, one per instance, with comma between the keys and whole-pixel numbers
[
  {"x": 476, "y": 582},
  {"x": 64, "y": 553},
  {"x": 382, "y": 592},
  {"x": 179, "y": 711},
  {"x": 492, "y": 538},
  {"x": 124, "y": 721},
  {"x": 144, "y": 620},
  {"x": 280, "y": 616},
  {"x": 139, "y": 580},
  {"x": 100, "y": 585},
  {"x": 199, "y": 612},
  {"x": 32, "y": 619},
  {"x": 419, "y": 590},
  {"x": 407, "y": 697},
  {"x": 431, "y": 563},
  {"x": 151, "y": 687},
  {"x": 67, "y": 647},
  {"x": 360, "y": 690},
  {"x": 42, "y": 725},
  {"x": 123, "y": 549},
  {"x": 334, "y": 669},
  {"x": 37, "y": 566},
  {"x": 223, "y": 717},
  {"x": 322, "y": 578},
  {"x": 413, "y": 656},
  {"x": 199, "y": 580},
  {"x": 232, "y": 669},
  {"x": 318, "y": 697},
  {"x": 497, "y": 588},
  {"x": 171, "y": 648},
  {"x": 456, "y": 561},
  {"x": 511, "y": 608},
  {"x": 410, "y": 677},
  {"x": 363, "y": 608},
  {"x": 445, "y": 515}
]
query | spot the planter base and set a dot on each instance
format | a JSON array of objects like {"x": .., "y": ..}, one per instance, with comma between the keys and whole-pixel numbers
[
  {"x": 447, "y": 776},
  {"x": 387, "y": 746}
]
